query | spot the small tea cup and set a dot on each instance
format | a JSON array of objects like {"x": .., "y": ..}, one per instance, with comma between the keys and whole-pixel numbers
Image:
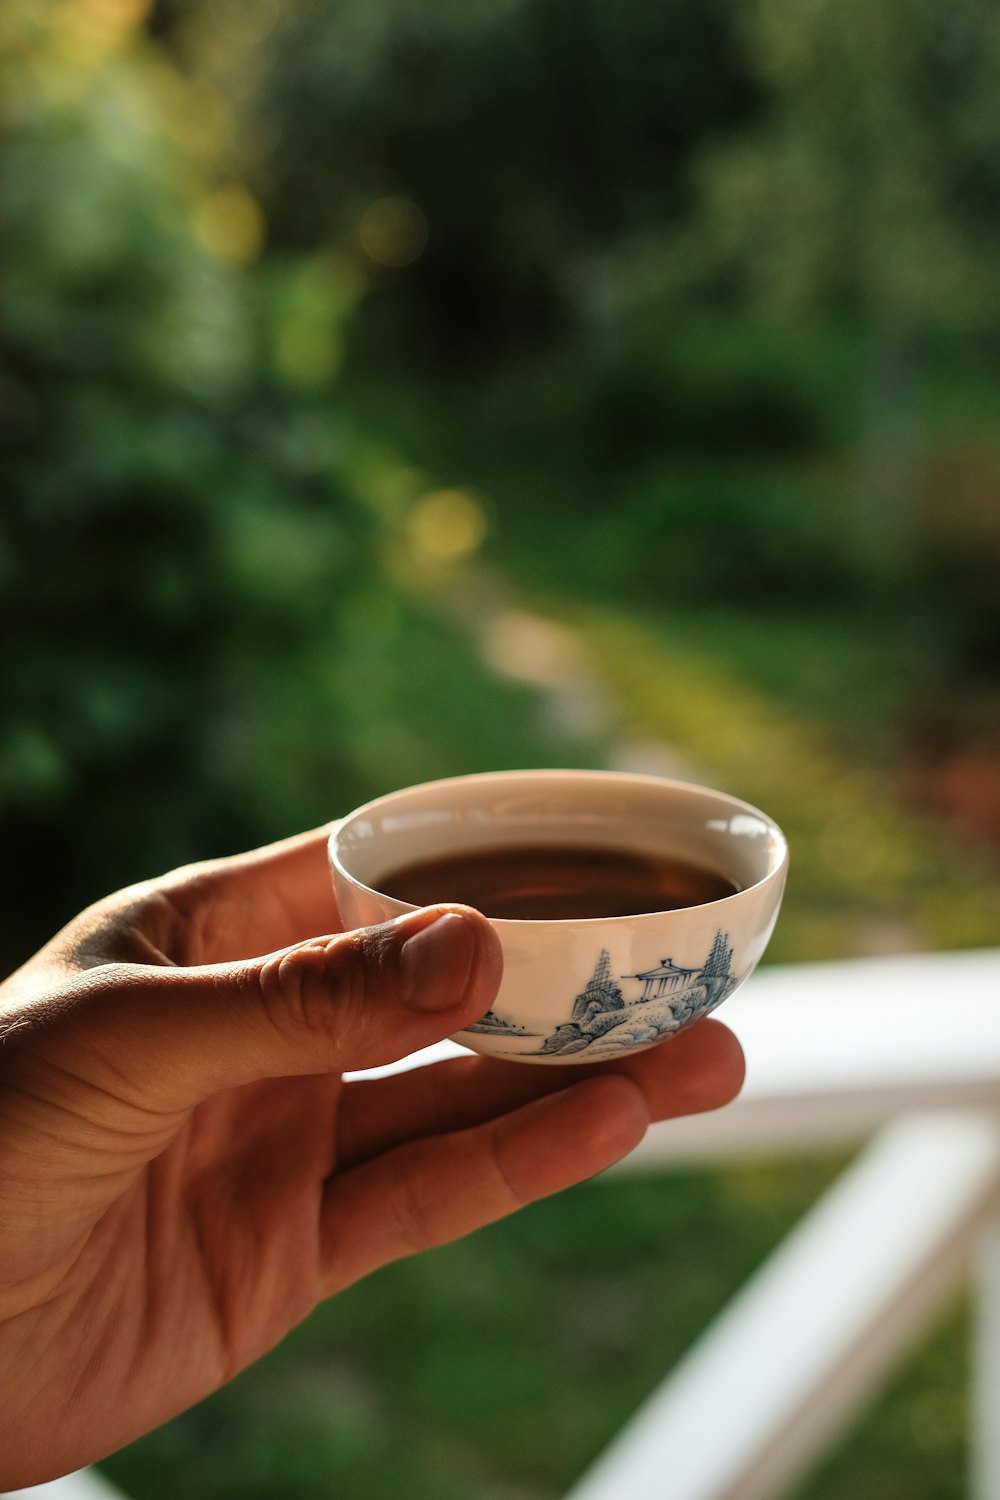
[{"x": 582, "y": 990}]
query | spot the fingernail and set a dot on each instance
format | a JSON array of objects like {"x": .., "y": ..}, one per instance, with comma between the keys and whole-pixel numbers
[{"x": 435, "y": 963}]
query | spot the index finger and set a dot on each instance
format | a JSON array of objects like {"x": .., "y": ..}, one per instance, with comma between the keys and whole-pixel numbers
[
  {"x": 248, "y": 904},
  {"x": 217, "y": 911}
]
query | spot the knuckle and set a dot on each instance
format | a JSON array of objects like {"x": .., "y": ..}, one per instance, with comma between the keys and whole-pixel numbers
[
  {"x": 410, "y": 1206},
  {"x": 314, "y": 989},
  {"x": 130, "y": 928},
  {"x": 510, "y": 1197},
  {"x": 116, "y": 974}
]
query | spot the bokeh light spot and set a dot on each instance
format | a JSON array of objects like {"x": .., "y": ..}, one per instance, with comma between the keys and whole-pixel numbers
[
  {"x": 393, "y": 232},
  {"x": 447, "y": 524},
  {"x": 230, "y": 225},
  {"x": 307, "y": 353},
  {"x": 118, "y": 15},
  {"x": 531, "y": 649}
]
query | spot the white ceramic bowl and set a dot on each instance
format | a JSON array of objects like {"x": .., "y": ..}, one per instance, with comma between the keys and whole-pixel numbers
[{"x": 583, "y": 990}]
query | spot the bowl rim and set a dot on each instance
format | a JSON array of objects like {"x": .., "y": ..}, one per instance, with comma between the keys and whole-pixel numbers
[{"x": 779, "y": 843}]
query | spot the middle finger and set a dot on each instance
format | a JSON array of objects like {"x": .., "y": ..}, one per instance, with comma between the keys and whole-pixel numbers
[{"x": 700, "y": 1069}]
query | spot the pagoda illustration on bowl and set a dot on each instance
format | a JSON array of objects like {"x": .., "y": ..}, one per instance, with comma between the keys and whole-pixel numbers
[{"x": 603, "y": 1022}]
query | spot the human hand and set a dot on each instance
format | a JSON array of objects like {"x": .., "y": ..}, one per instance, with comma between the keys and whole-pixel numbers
[{"x": 183, "y": 1172}]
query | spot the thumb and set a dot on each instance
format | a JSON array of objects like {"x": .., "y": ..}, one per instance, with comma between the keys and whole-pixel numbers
[{"x": 168, "y": 1038}]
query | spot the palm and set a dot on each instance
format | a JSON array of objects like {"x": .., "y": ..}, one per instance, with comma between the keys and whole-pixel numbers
[{"x": 198, "y": 1266}]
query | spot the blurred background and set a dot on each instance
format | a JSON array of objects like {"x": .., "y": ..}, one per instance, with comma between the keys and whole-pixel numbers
[{"x": 400, "y": 388}]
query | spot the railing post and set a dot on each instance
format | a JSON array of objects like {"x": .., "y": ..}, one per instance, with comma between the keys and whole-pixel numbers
[
  {"x": 985, "y": 1393},
  {"x": 820, "y": 1324}
]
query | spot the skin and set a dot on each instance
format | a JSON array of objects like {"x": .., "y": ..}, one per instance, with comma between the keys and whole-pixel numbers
[{"x": 184, "y": 1172}]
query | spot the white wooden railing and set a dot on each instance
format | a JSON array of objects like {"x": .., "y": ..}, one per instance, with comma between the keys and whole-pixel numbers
[
  {"x": 901, "y": 1053},
  {"x": 906, "y": 1052}
]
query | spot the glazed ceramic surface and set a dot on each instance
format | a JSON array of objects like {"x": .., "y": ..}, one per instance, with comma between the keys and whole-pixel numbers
[{"x": 580, "y": 991}]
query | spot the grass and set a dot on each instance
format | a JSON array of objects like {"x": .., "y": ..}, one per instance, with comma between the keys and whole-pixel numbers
[{"x": 498, "y": 1365}]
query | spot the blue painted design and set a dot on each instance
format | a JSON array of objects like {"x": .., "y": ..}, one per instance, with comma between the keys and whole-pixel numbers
[
  {"x": 492, "y": 1025},
  {"x": 603, "y": 1022}
]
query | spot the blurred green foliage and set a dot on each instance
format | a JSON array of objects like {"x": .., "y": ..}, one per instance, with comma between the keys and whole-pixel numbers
[
  {"x": 206, "y": 649},
  {"x": 331, "y": 331}
]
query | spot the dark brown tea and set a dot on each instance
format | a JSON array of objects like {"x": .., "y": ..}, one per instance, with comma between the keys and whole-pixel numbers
[{"x": 557, "y": 882}]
